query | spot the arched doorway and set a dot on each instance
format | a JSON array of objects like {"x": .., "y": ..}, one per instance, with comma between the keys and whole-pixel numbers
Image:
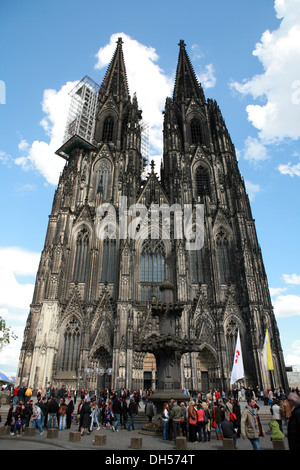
[{"x": 149, "y": 372}]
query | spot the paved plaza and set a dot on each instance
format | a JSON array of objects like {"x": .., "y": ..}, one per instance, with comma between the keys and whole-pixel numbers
[{"x": 121, "y": 440}]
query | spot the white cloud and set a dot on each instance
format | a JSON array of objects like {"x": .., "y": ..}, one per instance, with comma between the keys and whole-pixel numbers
[
  {"x": 197, "y": 52},
  {"x": 40, "y": 155},
  {"x": 145, "y": 78},
  {"x": 274, "y": 291},
  {"x": 287, "y": 306},
  {"x": 14, "y": 263},
  {"x": 293, "y": 358},
  {"x": 15, "y": 297},
  {"x": 5, "y": 158},
  {"x": 278, "y": 86},
  {"x": 252, "y": 189},
  {"x": 289, "y": 169},
  {"x": 207, "y": 78},
  {"x": 255, "y": 151},
  {"x": 292, "y": 278}
]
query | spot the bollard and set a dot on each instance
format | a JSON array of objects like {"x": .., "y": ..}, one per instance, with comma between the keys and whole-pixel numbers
[
  {"x": 181, "y": 443},
  {"x": 74, "y": 436},
  {"x": 136, "y": 442},
  {"x": 228, "y": 444},
  {"x": 29, "y": 431},
  {"x": 4, "y": 430},
  {"x": 278, "y": 444},
  {"x": 100, "y": 440},
  {"x": 52, "y": 433}
]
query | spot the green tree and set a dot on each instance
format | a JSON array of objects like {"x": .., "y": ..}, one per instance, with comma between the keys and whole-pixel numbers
[{"x": 5, "y": 334}]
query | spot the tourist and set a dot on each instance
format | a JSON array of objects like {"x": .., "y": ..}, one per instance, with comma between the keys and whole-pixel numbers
[
  {"x": 165, "y": 417},
  {"x": 276, "y": 412},
  {"x": 286, "y": 410},
  {"x": 192, "y": 421},
  {"x": 52, "y": 413},
  {"x": 94, "y": 416},
  {"x": 149, "y": 410},
  {"x": 218, "y": 417},
  {"x": 236, "y": 409},
  {"x": 70, "y": 410},
  {"x": 250, "y": 424},
  {"x": 229, "y": 431},
  {"x": 85, "y": 412},
  {"x": 117, "y": 410},
  {"x": 132, "y": 413},
  {"x": 183, "y": 419},
  {"x": 62, "y": 412},
  {"x": 176, "y": 414},
  {"x": 28, "y": 394},
  {"x": 294, "y": 422},
  {"x": 201, "y": 422},
  {"x": 275, "y": 430},
  {"x": 208, "y": 414},
  {"x": 37, "y": 418}
]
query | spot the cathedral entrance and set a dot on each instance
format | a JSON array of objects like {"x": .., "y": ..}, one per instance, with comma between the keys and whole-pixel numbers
[
  {"x": 149, "y": 369},
  {"x": 100, "y": 372},
  {"x": 207, "y": 369}
]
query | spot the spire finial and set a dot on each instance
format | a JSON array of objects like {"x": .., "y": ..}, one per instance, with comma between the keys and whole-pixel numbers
[
  {"x": 181, "y": 43},
  {"x": 120, "y": 41}
]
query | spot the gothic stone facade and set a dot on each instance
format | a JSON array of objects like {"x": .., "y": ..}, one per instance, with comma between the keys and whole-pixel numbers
[{"x": 90, "y": 309}]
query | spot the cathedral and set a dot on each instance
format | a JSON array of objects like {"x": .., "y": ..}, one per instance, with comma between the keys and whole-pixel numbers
[{"x": 91, "y": 307}]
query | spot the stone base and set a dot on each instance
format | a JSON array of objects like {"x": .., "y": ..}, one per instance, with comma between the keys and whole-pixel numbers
[
  {"x": 4, "y": 430},
  {"x": 100, "y": 439},
  {"x": 136, "y": 443},
  {"x": 278, "y": 444},
  {"x": 181, "y": 443},
  {"x": 74, "y": 436},
  {"x": 228, "y": 444},
  {"x": 160, "y": 397},
  {"x": 52, "y": 433}
]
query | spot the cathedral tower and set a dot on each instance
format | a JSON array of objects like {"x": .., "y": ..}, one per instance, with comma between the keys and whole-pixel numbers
[{"x": 91, "y": 305}]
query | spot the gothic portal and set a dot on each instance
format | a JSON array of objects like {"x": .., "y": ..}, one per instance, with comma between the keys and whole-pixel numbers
[{"x": 91, "y": 304}]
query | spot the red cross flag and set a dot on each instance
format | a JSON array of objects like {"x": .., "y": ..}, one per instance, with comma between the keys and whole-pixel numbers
[{"x": 238, "y": 366}]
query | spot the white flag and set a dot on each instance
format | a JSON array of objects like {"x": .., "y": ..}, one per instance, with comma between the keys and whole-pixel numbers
[{"x": 238, "y": 366}]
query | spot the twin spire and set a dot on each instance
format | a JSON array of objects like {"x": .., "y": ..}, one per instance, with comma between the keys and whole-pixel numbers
[{"x": 186, "y": 83}]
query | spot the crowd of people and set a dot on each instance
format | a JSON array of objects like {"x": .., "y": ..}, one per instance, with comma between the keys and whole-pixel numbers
[
  {"x": 222, "y": 413},
  {"x": 58, "y": 408},
  {"x": 196, "y": 417}
]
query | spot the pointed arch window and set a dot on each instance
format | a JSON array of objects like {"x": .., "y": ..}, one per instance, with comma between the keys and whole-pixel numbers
[
  {"x": 71, "y": 346},
  {"x": 81, "y": 255},
  {"x": 103, "y": 176},
  {"x": 108, "y": 272},
  {"x": 196, "y": 131},
  {"x": 108, "y": 129},
  {"x": 223, "y": 258},
  {"x": 152, "y": 268},
  {"x": 197, "y": 266},
  {"x": 231, "y": 332},
  {"x": 202, "y": 182}
]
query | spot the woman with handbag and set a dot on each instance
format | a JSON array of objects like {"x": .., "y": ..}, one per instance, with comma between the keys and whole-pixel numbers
[{"x": 192, "y": 420}]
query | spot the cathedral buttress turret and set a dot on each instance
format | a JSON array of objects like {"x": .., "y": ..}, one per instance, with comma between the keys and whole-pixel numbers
[{"x": 117, "y": 129}]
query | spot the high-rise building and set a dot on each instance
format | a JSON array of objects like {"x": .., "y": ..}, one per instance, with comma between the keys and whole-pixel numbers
[{"x": 103, "y": 263}]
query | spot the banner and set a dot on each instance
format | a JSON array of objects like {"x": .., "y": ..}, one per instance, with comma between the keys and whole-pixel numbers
[
  {"x": 267, "y": 355},
  {"x": 238, "y": 366}
]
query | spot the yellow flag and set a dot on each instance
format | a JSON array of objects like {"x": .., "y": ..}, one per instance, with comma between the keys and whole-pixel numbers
[{"x": 267, "y": 355}]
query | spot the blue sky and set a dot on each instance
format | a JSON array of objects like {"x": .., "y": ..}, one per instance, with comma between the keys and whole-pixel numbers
[{"x": 247, "y": 57}]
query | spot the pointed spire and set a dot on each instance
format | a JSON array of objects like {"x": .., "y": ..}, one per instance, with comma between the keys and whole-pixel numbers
[
  {"x": 186, "y": 83},
  {"x": 115, "y": 80}
]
